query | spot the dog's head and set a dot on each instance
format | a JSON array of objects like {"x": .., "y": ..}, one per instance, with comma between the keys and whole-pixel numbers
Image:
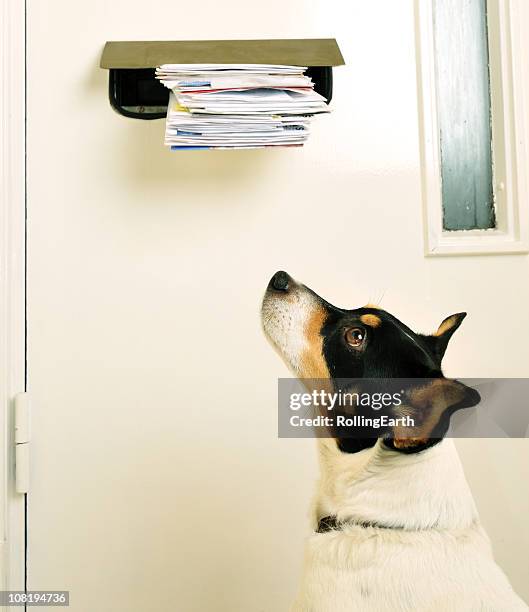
[{"x": 320, "y": 341}]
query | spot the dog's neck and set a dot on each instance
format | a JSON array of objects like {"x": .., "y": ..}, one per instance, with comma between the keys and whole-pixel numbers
[{"x": 427, "y": 490}]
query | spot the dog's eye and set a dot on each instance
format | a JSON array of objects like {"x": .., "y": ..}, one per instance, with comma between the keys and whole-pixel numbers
[{"x": 355, "y": 336}]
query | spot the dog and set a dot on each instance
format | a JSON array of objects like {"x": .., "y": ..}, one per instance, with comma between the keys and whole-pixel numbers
[{"x": 394, "y": 525}]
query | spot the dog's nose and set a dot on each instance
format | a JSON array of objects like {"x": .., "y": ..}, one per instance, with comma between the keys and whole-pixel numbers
[{"x": 280, "y": 281}]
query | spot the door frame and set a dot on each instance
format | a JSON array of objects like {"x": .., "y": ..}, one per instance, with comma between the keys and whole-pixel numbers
[{"x": 12, "y": 282}]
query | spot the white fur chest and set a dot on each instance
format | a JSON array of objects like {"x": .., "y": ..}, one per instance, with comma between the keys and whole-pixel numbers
[{"x": 432, "y": 554}]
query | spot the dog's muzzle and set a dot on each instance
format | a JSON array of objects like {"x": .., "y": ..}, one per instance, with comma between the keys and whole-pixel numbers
[{"x": 289, "y": 314}]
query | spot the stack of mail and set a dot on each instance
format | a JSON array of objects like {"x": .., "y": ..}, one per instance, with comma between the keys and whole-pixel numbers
[{"x": 236, "y": 106}]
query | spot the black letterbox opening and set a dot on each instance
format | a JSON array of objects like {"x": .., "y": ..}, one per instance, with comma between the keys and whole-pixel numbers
[{"x": 136, "y": 93}]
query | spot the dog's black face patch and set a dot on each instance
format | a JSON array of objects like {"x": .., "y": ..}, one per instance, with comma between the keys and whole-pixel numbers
[
  {"x": 319, "y": 340},
  {"x": 389, "y": 349}
]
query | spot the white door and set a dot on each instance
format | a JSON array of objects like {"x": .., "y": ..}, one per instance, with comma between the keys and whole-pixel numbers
[{"x": 158, "y": 481}]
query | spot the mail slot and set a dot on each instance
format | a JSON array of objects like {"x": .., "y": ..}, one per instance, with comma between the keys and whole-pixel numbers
[{"x": 135, "y": 92}]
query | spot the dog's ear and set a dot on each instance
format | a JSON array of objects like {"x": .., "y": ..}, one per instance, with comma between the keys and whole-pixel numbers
[
  {"x": 438, "y": 341},
  {"x": 430, "y": 407}
]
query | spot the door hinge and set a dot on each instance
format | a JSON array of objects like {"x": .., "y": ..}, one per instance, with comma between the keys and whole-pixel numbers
[{"x": 22, "y": 440}]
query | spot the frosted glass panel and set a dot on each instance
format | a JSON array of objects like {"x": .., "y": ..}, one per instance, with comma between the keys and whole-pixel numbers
[{"x": 463, "y": 102}]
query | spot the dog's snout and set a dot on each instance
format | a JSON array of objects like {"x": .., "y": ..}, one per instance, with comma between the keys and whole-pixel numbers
[{"x": 280, "y": 281}]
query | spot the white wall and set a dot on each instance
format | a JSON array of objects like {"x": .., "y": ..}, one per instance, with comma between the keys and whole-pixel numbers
[{"x": 155, "y": 392}]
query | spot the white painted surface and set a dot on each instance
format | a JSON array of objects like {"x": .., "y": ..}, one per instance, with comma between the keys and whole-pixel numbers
[
  {"x": 160, "y": 483},
  {"x": 12, "y": 358}
]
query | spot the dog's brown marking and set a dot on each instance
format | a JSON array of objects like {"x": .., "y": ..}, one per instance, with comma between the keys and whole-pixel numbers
[
  {"x": 313, "y": 364},
  {"x": 426, "y": 406},
  {"x": 372, "y": 306},
  {"x": 446, "y": 325},
  {"x": 408, "y": 442},
  {"x": 371, "y": 319}
]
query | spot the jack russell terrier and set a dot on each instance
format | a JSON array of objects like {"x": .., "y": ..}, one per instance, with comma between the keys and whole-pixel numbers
[{"x": 395, "y": 525}]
